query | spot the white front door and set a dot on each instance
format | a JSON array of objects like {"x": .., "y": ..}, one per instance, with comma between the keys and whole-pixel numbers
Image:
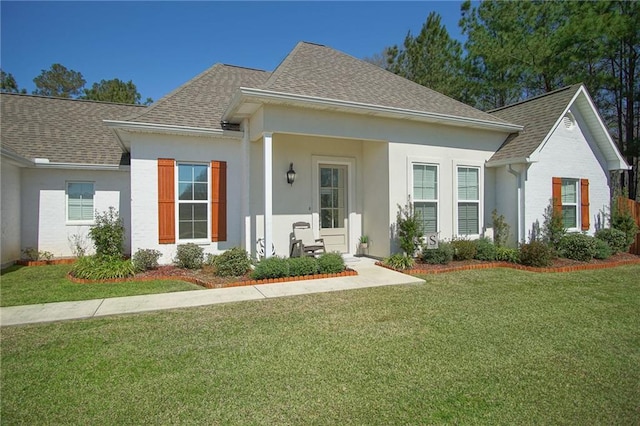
[{"x": 334, "y": 218}]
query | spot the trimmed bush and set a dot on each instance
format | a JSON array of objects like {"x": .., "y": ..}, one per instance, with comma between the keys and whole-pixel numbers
[
  {"x": 271, "y": 267},
  {"x": 189, "y": 256},
  {"x": 108, "y": 233},
  {"x": 441, "y": 255},
  {"x": 603, "y": 251},
  {"x": 399, "y": 261},
  {"x": 301, "y": 266},
  {"x": 485, "y": 249},
  {"x": 506, "y": 254},
  {"x": 234, "y": 262},
  {"x": 463, "y": 249},
  {"x": 145, "y": 259},
  {"x": 102, "y": 267},
  {"x": 577, "y": 246},
  {"x": 615, "y": 239},
  {"x": 536, "y": 253},
  {"x": 330, "y": 263}
]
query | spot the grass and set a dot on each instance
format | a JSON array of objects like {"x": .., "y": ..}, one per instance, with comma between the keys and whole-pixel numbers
[
  {"x": 475, "y": 347},
  {"x": 42, "y": 284}
]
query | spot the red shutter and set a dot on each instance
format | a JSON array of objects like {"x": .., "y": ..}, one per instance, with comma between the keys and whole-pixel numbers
[
  {"x": 584, "y": 203},
  {"x": 218, "y": 201},
  {"x": 166, "y": 201},
  {"x": 556, "y": 195}
]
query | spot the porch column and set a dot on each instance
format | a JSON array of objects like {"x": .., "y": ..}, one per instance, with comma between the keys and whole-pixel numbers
[
  {"x": 246, "y": 187},
  {"x": 268, "y": 192}
]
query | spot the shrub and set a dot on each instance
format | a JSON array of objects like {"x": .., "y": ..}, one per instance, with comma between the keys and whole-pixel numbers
[
  {"x": 232, "y": 263},
  {"x": 506, "y": 254},
  {"x": 536, "y": 254},
  {"x": 621, "y": 219},
  {"x": 485, "y": 249},
  {"x": 32, "y": 254},
  {"x": 603, "y": 251},
  {"x": 463, "y": 249},
  {"x": 577, "y": 246},
  {"x": 500, "y": 229},
  {"x": 330, "y": 263},
  {"x": 441, "y": 255},
  {"x": 409, "y": 229},
  {"x": 271, "y": 267},
  {"x": 102, "y": 267},
  {"x": 145, "y": 259},
  {"x": 615, "y": 239},
  {"x": 301, "y": 266},
  {"x": 552, "y": 228},
  {"x": 399, "y": 261},
  {"x": 108, "y": 233},
  {"x": 189, "y": 256}
]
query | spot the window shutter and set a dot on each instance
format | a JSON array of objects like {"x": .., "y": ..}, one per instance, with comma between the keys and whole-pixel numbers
[
  {"x": 584, "y": 203},
  {"x": 556, "y": 194},
  {"x": 166, "y": 201},
  {"x": 218, "y": 201}
]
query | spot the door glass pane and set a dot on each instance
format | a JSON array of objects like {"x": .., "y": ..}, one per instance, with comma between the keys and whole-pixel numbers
[
  {"x": 325, "y": 177},
  {"x": 325, "y": 218},
  {"x": 332, "y": 197}
]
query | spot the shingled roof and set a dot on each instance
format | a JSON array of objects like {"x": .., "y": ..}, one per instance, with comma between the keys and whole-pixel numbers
[
  {"x": 201, "y": 101},
  {"x": 61, "y": 130},
  {"x": 538, "y": 115}
]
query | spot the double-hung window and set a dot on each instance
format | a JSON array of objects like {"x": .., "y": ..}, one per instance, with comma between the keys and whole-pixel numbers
[
  {"x": 425, "y": 195},
  {"x": 569, "y": 199},
  {"x": 468, "y": 200},
  {"x": 80, "y": 201},
  {"x": 193, "y": 201}
]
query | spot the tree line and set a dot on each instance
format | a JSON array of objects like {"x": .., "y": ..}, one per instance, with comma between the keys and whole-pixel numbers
[
  {"x": 518, "y": 49},
  {"x": 58, "y": 81}
]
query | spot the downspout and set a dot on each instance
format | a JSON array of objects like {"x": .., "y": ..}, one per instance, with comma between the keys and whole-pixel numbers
[
  {"x": 246, "y": 186},
  {"x": 518, "y": 176}
]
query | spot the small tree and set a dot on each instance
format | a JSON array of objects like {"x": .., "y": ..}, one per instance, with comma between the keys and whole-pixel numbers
[
  {"x": 409, "y": 229},
  {"x": 622, "y": 220},
  {"x": 108, "y": 233},
  {"x": 552, "y": 228},
  {"x": 500, "y": 229}
]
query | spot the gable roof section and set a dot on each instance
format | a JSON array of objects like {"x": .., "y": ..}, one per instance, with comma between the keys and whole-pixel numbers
[
  {"x": 540, "y": 115},
  {"x": 201, "y": 101},
  {"x": 61, "y": 130},
  {"x": 321, "y": 72}
]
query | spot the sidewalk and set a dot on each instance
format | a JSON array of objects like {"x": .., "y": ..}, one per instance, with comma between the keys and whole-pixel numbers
[{"x": 369, "y": 275}]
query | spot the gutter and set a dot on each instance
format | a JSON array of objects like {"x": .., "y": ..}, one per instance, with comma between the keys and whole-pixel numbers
[
  {"x": 267, "y": 95},
  {"x": 168, "y": 128},
  {"x": 509, "y": 161},
  {"x": 44, "y": 163},
  {"x": 519, "y": 220},
  {"x": 16, "y": 158}
]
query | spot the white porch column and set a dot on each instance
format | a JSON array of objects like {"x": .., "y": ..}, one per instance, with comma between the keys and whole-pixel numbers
[
  {"x": 268, "y": 192},
  {"x": 246, "y": 187}
]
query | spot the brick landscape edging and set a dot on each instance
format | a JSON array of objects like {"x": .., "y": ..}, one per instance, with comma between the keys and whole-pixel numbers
[
  {"x": 491, "y": 265},
  {"x": 203, "y": 283},
  {"x": 64, "y": 261}
]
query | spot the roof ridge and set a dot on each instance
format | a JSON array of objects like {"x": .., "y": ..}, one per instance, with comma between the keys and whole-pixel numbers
[
  {"x": 242, "y": 67},
  {"x": 58, "y": 98},
  {"x": 553, "y": 92},
  {"x": 278, "y": 70}
]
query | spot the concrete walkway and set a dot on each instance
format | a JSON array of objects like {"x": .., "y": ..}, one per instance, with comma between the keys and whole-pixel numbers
[{"x": 369, "y": 275}]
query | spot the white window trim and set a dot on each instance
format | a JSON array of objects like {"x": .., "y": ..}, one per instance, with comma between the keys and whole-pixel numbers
[
  {"x": 66, "y": 207},
  {"x": 199, "y": 241},
  {"x": 480, "y": 201},
  {"x": 414, "y": 200},
  {"x": 577, "y": 204}
]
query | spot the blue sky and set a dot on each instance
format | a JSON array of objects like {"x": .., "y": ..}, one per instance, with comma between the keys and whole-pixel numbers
[{"x": 161, "y": 45}]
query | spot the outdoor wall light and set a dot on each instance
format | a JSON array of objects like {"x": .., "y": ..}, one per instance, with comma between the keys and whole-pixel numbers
[{"x": 291, "y": 175}]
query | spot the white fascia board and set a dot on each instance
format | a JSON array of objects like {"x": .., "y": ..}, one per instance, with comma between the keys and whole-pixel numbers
[
  {"x": 244, "y": 93},
  {"x": 171, "y": 129},
  {"x": 81, "y": 166},
  {"x": 16, "y": 159},
  {"x": 507, "y": 161}
]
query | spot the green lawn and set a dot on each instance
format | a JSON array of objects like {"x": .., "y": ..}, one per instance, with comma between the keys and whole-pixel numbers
[
  {"x": 42, "y": 284},
  {"x": 476, "y": 347}
]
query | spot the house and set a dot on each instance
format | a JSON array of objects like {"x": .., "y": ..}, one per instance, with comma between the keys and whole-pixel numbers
[{"x": 208, "y": 163}]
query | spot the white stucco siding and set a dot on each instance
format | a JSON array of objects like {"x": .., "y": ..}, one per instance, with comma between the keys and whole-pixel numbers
[
  {"x": 145, "y": 151},
  {"x": 568, "y": 153},
  {"x": 10, "y": 212},
  {"x": 448, "y": 148},
  {"x": 375, "y": 214},
  {"x": 44, "y": 224}
]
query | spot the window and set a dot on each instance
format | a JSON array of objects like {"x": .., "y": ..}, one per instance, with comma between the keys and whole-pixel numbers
[
  {"x": 193, "y": 201},
  {"x": 425, "y": 195},
  {"x": 468, "y": 201},
  {"x": 80, "y": 201},
  {"x": 569, "y": 199}
]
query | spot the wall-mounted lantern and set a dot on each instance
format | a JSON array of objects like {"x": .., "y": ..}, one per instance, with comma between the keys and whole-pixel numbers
[{"x": 291, "y": 175}]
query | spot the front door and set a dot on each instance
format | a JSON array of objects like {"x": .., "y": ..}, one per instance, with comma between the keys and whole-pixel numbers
[{"x": 334, "y": 223}]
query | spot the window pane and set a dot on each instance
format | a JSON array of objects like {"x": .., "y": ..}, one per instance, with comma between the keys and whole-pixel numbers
[
  {"x": 185, "y": 191},
  {"x": 185, "y": 173},
  {"x": 200, "y": 229},
  {"x": 468, "y": 182},
  {"x": 185, "y": 230},
  {"x": 425, "y": 182},
  {"x": 200, "y": 191},
  {"x": 468, "y": 218},
  {"x": 428, "y": 213},
  {"x": 80, "y": 201},
  {"x": 200, "y": 173},
  {"x": 569, "y": 194},
  {"x": 200, "y": 212},
  {"x": 569, "y": 216}
]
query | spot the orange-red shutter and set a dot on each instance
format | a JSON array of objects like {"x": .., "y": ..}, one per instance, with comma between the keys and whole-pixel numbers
[
  {"x": 166, "y": 201},
  {"x": 218, "y": 201},
  {"x": 556, "y": 194},
  {"x": 584, "y": 203}
]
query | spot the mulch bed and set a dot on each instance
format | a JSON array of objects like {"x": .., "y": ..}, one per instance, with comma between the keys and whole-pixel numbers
[{"x": 558, "y": 265}]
